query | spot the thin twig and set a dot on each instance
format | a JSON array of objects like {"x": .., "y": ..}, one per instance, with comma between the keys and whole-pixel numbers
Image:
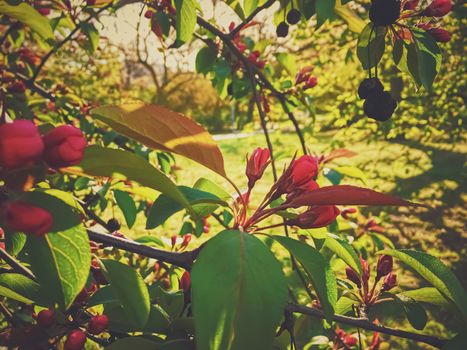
[
  {"x": 366, "y": 324},
  {"x": 252, "y": 15},
  {"x": 65, "y": 40},
  {"x": 16, "y": 265}
]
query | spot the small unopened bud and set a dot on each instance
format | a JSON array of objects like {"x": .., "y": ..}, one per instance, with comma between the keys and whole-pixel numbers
[
  {"x": 347, "y": 211},
  {"x": 185, "y": 282},
  {"x": 390, "y": 281},
  {"x": 365, "y": 272},
  {"x": 384, "y": 266},
  {"x": 352, "y": 276}
]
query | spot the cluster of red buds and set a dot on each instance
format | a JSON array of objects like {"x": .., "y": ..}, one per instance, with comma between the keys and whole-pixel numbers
[
  {"x": 343, "y": 340},
  {"x": 428, "y": 16},
  {"x": 178, "y": 247},
  {"x": 297, "y": 179},
  {"x": 305, "y": 80},
  {"x": 238, "y": 41},
  {"x": 369, "y": 295},
  {"x": 23, "y": 153},
  {"x": 76, "y": 339},
  {"x": 13, "y": 86}
]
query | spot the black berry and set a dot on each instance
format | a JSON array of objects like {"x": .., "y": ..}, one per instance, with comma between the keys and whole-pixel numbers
[
  {"x": 380, "y": 106},
  {"x": 230, "y": 89},
  {"x": 369, "y": 86},
  {"x": 282, "y": 30},
  {"x": 113, "y": 225},
  {"x": 385, "y": 12},
  {"x": 293, "y": 16}
]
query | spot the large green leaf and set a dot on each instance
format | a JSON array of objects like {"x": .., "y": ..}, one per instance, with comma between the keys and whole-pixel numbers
[
  {"x": 130, "y": 289},
  {"x": 317, "y": 268},
  {"x": 324, "y": 10},
  {"x": 343, "y": 250},
  {"x": 19, "y": 287},
  {"x": 108, "y": 162},
  {"x": 436, "y": 273},
  {"x": 371, "y": 44},
  {"x": 239, "y": 293},
  {"x": 186, "y": 19},
  {"x": 416, "y": 314},
  {"x": 127, "y": 205},
  {"x": 164, "y": 207},
  {"x": 427, "y": 295},
  {"x": 355, "y": 23},
  {"x": 61, "y": 263},
  {"x": 249, "y": 6},
  {"x": 30, "y": 17},
  {"x": 205, "y": 59},
  {"x": 428, "y": 55}
]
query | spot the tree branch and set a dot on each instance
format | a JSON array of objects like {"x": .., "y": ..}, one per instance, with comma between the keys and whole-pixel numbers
[
  {"x": 257, "y": 10},
  {"x": 183, "y": 260},
  {"x": 366, "y": 324}
]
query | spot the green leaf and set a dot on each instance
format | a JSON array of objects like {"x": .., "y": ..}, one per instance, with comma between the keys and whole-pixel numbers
[
  {"x": 144, "y": 343},
  {"x": 355, "y": 23},
  {"x": 115, "y": 163},
  {"x": 371, "y": 45},
  {"x": 171, "y": 301},
  {"x": 186, "y": 19},
  {"x": 351, "y": 171},
  {"x": 104, "y": 295},
  {"x": 30, "y": 17},
  {"x": 19, "y": 287},
  {"x": 317, "y": 268},
  {"x": 343, "y": 250},
  {"x": 249, "y": 6},
  {"x": 61, "y": 263},
  {"x": 150, "y": 240},
  {"x": 288, "y": 62},
  {"x": 205, "y": 59},
  {"x": 92, "y": 35},
  {"x": 127, "y": 206},
  {"x": 324, "y": 10},
  {"x": 239, "y": 293},
  {"x": 415, "y": 313},
  {"x": 436, "y": 273},
  {"x": 14, "y": 242},
  {"x": 164, "y": 207},
  {"x": 236, "y": 6},
  {"x": 131, "y": 290},
  {"x": 427, "y": 295},
  {"x": 428, "y": 55}
]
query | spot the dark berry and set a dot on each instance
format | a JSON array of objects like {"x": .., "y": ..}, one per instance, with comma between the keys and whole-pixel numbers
[
  {"x": 282, "y": 30},
  {"x": 293, "y": 16},
  {"x": 370, "y": 86},
  {"x": 380, "y": 106},
  {"x": 46, "y": 318},
  {"x": 98, "y": 324},
  {"x": 113, "y": 225},
  {"x": 385, "y": 12},
  {"x": 230, "y": 89}
]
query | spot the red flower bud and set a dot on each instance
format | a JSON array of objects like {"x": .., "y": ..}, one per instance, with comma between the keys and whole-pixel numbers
[
  {"x": 439, "y": 34},
  {"x": 350, "y": 340},
  {"x": 347, "y": 211},
  {"x": 256, "y": 165},
  {"x": 384, "y": 266},
  {"x": 310, "y": 83},
  {"x": 20, "y": 144},
  {"x": 303, "y": 75},
  {"x": 64, "y": 146},
  {"x": 365, "y": 272},
  {"x": 148, "y": 14},
  {"x": 16, "y": 87},
  {"x": 231, "y": 26},
  {"x": 437, "y": 8},
  {"x": 411, "y": 4},
  {"x": 352, "y": 276},
  {"x": 173, "y": 240},
  {"x": 75, "y": 340},
  {"x": 45, "y": 318},
  {"x": 390, "y": 281},
  {"x": 98, "y": 324},
  {"x": 186, "y": 240},
  {"x": 27, "y": 218},
  {"x": 317, "y": 216},
  {"x": 300, "y": 172},
  {"x": 185, "y": 281}
]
